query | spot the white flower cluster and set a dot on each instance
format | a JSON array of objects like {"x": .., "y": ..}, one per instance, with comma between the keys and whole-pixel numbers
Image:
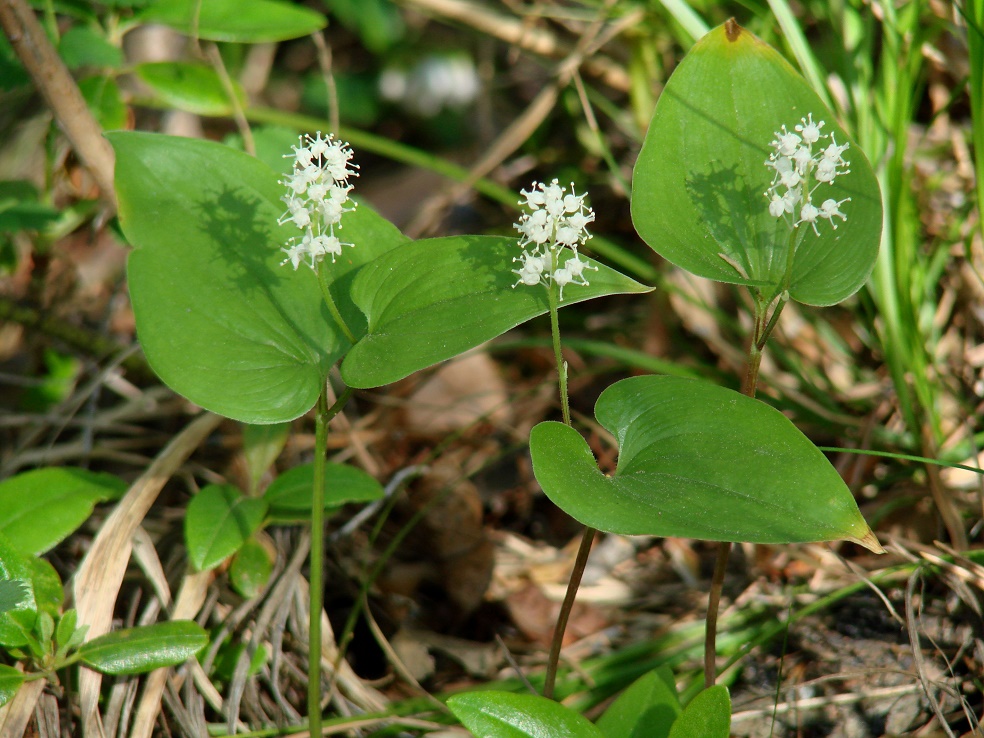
[
  {"x": 317, "y": 196},
  {"x": 798, "y": 172},
  {"x": 555, "y": 220}
]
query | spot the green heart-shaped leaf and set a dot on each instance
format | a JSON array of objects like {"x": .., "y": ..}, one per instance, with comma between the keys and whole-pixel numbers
[
  {"x": 218, "y": 317},
  {"x": 698, "y": 189},
  {"x": 697, "y": 461},
  {"x": 218, "y": 521},
  {"x": 493, "y": 714},
  {"x": 437, "y": 298}
]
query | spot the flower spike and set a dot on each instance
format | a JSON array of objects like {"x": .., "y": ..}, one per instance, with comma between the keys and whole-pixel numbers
[
  {"x": 799, "y": 169},
  {"x": 317, "y": 198},
  {"x": 557, "y": 219}
]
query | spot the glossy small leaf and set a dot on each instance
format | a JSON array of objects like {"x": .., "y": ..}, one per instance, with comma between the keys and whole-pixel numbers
[
  {"x": 646, "y": 709},
  {"x": 289, "y": 495},
  {"x": 492, "y": 714},
  {"x": 10, "y": 682},
  {"x": 218, "y": 521},
  {"x": 18, "y": 631},
  {"x": 42, "y": 507},
  {"x": 698, "y": 189},
  {"x": 239, "y": 21},
  {"x": 49, "y": 593},
  {"x": 69, "y": 635},
  {"x": 218, "y": 317},
  {"x": 707, "y": 716},
  {"x": 195, "y": 88},
  {"x": 697, "y": 461},
  {"x": 145, "y": 648},
  {"x": 251, "y": 569},
  {"x": 16, "y": 566},
  {"x": 437, "y": 298},
  {"x": 66, "y": 627},
  {"x": 45, "y": 627}
]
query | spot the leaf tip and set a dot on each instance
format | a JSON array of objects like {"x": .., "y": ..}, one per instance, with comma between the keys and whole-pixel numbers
[
  {"x": 870, "y": 541},
  {"x": 732, "y": 30}
]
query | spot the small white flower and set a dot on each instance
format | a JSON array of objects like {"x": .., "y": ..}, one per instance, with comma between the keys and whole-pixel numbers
[
  {"x": 834, "y": 153},
  {"x": 791, "y": 179},
  {"x": 295, "y": 254},
  {"x": 579, "y": 221},
  {"x": 532, "y": 270},
  {"x": 303, "y": 156},
  {"x": 790, "y": 199},
  {"x": 329, "y": 245},
  {"x": 535, "y": 198},
  {"x": 802, "y": 158},
  {"x": 573, "y": 203},
  {"x": 562, "y": 277},
  {"x": 809, "y": 214},
  {"x": 576, "y": 267},
  {"x": 809, "y": 130},
  {"x": 786, "y": 142},
  {"x": 830, "y": 209},
  {"x": 296, "y": 212},
  {"x": 777, "y": 206},
  {"x": 568, "y": 235},
  {"x": 319, "y": 145},
  {"x": 826, "y": 171}
]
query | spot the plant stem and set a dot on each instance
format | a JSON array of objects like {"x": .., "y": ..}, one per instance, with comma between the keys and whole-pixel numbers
[
  {"x": 713, "y": 608},
  {"x": 764, "y": 325},
  {"x": 316, "y": 593},
  {"x": 332, "y": 308},
  {"x": 565, "y": 405},
  {"x": 587, "y": 538},
  {"x": 52, "y": 78}
]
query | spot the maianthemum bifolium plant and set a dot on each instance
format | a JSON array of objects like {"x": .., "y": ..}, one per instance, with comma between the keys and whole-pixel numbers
[{"x": 246, "y": 297}]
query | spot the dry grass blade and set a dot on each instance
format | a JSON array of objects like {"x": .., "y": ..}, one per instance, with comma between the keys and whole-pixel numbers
[
  {"x": 393, "y": 657},
  {"x": 98, "y": 579},
  {"x": 520, "y": 130},
  {"x": 919, "y": 660},
  {"x": 504, "y": 145},
  {"x": 518, "y": 33},
  {"x": 812, "y": 703},
  {"x": 16, "y": 714}
]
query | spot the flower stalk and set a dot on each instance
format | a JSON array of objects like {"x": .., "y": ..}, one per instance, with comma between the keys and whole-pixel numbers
[
  {"x": 317, "y": 197},
  {"x": 555, "y": 225}
]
